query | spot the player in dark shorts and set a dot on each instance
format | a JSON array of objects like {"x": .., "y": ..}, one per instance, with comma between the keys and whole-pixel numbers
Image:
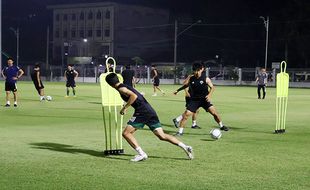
[
  {"x": 128, "y": 76},
  {"x": 36, "y": 79},
  {"x": 155, "y": 79},
  {"x": 70, "y": 76},
  {"x": 200, "y": 97},
  {"x": 11, "y": 74},
  {"x": 144, "y": 114}
]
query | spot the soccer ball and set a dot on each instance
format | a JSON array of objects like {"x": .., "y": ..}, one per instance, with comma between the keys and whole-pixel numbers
[
  {"x": 215, "y": 133},
  {"x": 49, "y": 98}
]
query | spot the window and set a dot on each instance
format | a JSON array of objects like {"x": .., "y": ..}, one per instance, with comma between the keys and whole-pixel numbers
[
  {"x": 90, "y": 33},
  {"x": 65, "y": 34},
  {"x": 73, "y": 33},
  {"x": 107, "y": 33},
  {"x": 98, "y": 16},
  {"x": 65, "y": 17},
  {"x": 107, "y": 15},
  {"x": 57, "y": 17},
  {"x": 98, "y": 33},
  {"x": 82, "y": 16},
  {"x": 57, "y": 33},
  {"x": 82, "y": 33},
  {"x": 90, "y": 15},
  {"x": 73, "y": 16}
]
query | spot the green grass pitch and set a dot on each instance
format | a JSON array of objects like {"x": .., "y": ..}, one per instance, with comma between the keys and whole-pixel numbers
[{"x": 59, "y": 144}]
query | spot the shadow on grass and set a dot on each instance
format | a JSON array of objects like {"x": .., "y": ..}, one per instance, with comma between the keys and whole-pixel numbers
[{"x": 99, "y": 103}]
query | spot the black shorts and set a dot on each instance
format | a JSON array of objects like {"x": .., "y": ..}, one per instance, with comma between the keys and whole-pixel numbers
[
  {"x": 187, "y": 99},
  {"x": 138, "y": 121},
  {"x": 70, "y": 84},
  {"x": 156, "y": 82},
  {"x": 194, "y": 105},
  {"x": 10, "y": 86},
  {"x": 36, "y": 85}
]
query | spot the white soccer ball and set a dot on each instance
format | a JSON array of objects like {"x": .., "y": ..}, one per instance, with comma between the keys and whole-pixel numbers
[
  {"x": 49, "y": 98},
  {"x": 215, "y": 133}
]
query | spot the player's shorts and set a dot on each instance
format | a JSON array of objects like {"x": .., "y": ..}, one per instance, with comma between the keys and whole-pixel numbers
[
  {"x": 36, "y": 85},
  {"x": 138, "y": 122},
  {"x": 70, "y": 84},
  {"x": 194, "y": 105},
  {"x": 10, "y": 87},
  {"x": 156, "y": 82},
  {"x": 187, "y": 100}
]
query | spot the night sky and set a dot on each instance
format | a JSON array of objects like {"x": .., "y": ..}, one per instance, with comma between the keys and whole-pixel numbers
[{"x": 230, "y": 29}]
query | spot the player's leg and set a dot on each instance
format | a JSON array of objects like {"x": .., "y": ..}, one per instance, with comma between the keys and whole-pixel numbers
[
  {"x": 217, "y": 118},
  {"x": 128, "y": 135},
  {"x": 7, "y": 98},
  {"x": 154, "y": 90},
  {"x": 73, "y": 91},
  {"x": 194, "y": 120},
  {"x": 15, "y": 97},
  {"x": 264, "y": 91},
  {"x": 258, "y": 91},
  {"x": 185, "y": 117},
  {"x": 68, "y": 91},
  {"x": 171, "y": 139}
]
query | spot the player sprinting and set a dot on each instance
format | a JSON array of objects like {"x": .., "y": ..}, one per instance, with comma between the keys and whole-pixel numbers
[
  {"x": 261, "y": 80},
  {"x": 156, "y": 81},
  {"x": 11, "y": 74},
  {"x": 36, "y": 79},
  {"x": 144, "y": 115},
  {"x": 70, "y": 77},
  {"x": 200, "y": 97}
]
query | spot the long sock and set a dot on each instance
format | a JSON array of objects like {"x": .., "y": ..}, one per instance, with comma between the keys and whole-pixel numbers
[
  {"x": 182, "y": 145},
  {"x": 221, "y": 124},
  {"x": 181, "y": 130},
  {"x": 73, "y": 90},
  {"x": 67, "y": 92},
  {"x": 140, "y": 151},
  {"x": 179, "y": 118},
  {"x": 194, "y": 123}
]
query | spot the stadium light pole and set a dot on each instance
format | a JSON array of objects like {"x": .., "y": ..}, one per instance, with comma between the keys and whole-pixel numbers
[
  {"x": 266, "y": 23},
  {"x": 0, "y": 36},
  {"x": 176, "y": 35},
  {"x": 16, "y": 33}
]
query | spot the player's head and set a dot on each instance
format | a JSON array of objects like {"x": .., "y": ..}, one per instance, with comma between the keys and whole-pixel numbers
[
  {"x": 197, "y": 69},
  {"x": 153, "y": 66},
  {"x": 112, "y": 79},
  {"x": 37, "y": 66},
  {"x": 10, "y": 61},
  {"x": 263, "y": 70},
  {"x": 70, "y": 66}
]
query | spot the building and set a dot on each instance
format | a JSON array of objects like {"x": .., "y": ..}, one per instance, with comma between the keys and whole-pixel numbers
[{"x": 119, "y": 30}]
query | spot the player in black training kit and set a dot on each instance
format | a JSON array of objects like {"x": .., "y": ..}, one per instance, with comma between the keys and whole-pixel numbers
[
  {"x": 70, "y": 76},
  {"x": 36, "y": 78},
  {"x": 144, "y": 115},
  {"x": 155, "y": 79},
  {"x": 128, "y": 76},
  {"x": 200, "y": 97}
]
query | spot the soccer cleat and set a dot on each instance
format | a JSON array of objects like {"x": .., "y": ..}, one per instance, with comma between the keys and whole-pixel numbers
[
  {"x": 154, "y": 94},
  {"x": 7, "y": 105},
  {"x": 178, "y": 134},
  {"x": 189, "y": 152},
  {"x": 66, "y": 96},
  {"x": 224, "y": 128},
  {"x": 196, "y": 127},
  {"x": 139, "y": 158},
  {"x": 15, "y": 105},
  {"x": 176, "y": 123}
]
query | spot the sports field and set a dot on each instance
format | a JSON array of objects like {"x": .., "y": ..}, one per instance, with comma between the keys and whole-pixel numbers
[{"x": 59, "y": 144}]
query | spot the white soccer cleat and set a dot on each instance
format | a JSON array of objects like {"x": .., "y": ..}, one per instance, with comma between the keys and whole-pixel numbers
[
  {"x": 139, "y": 158},
  {"x": 154, "y": 94},
  {"x": 189, "y": 152}
]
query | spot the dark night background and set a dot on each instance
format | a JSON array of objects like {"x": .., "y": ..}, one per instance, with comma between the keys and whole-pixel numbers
[{"x": 230, "y": 29}]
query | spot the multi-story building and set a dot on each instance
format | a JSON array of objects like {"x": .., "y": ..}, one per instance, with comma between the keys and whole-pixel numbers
[{"x": 99, "y": 29}]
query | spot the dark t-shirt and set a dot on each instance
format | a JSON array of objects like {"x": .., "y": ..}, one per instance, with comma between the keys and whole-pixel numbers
[
  {"x": 153, "y": 73},
  {"x": 70, "y": 74},
  {"x": 198, "y": 88},
  {"x": 34, "y": 76},
  {"x": 10, "y": 73},
  {"x": 128, "y": 76}
]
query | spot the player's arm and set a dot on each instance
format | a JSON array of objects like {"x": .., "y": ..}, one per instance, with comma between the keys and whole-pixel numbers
[
  {"x": 185, "y": 85},
  {"x": 20, "y": 74},
  {"x": 3, "y": 74},
  {"x": 132, "y": 98},
  {"x": 155, "y": 74},
  {"x": 38, "y": 78},
  {"x": 65, "y": 76},
  {"x": 76, "y": 74},
  {"x": 212, "y": 88}
]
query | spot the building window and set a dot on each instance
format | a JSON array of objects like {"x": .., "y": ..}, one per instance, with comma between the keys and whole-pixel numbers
[
  {"x": 82, "y": 16},
  {"x": 65, "y": 17},
  {"x": 90, "y": 33},
  {"x": 82, "y": 33},
  {"x": 65, "y": 34},
  {"x": 57, "y": 17},
  {"x": 98, "y": 33},
  {"x": 73, "y": 16},
  {"x": 90, "y": 15},
  {"x": 107, "y": 33},
  {"x": 108, "y": 15},
  {"x": 73, "y": 33},
  {"x": 57, "y": 34},
  {"x": 98, "y": 16}
]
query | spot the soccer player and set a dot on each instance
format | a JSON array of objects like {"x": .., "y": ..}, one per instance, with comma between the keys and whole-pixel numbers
[
  {"x": 261, "y": 80},
  {"x": 36, "y": 78},
  {"x": 200, "y": 97},
  {"x": 11, "y": 74},
  {"x": 129, "y": 76},
  {"x": 144, "y": 115},
  {"x": 70, "y": 77},
  {"x": 155, "y": 79}
]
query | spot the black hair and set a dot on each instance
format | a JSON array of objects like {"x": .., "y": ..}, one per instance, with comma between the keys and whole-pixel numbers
[
  {"x": 197, "y": 66},
  {"x": 37, "y": 65},
  {"x": 10, "y": 58},
  {"x": 71, "y": 65},
  {"x": 153, "y": 65},
  {"x": 112, "y": 79}
]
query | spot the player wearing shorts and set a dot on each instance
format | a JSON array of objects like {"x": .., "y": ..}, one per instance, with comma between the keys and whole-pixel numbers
[
  {"x": 200, "y": 97},
  {"x": 70, "y": 77},
  {"x": 156, "y": 81},
  {"x": 144, "y": 114},
  {"x": 36, "y": 79},
  {"x": 11, "y": 74}
]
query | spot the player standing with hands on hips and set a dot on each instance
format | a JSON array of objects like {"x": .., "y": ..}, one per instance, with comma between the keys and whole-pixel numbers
[
  {"x": 144, "y": 114},
  {"x": 11, "y": 74},
  {"x": 261, "y": 80},
  {"x": 70, "y": 77}
]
